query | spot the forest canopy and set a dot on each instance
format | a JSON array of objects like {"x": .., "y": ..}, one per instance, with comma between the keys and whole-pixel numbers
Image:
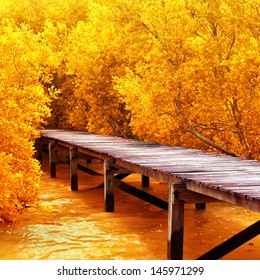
[{"x": 182, "y": 72}]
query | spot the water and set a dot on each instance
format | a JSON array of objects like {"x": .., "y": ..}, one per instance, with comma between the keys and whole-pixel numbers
[{"x": 78, "y": 228}]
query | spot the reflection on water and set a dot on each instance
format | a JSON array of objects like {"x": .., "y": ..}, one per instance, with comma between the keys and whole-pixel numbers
[
  {"x": 56, "y": 241},
  {"x": 78, "y": 228}
]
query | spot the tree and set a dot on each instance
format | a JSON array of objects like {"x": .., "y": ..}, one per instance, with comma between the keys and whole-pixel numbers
[
  {"x": 23, "y": 107},
  {"x": 201, "y": 78},
  {"x": 182, "y": 72},
  {"x": 94, "y": 55},
  {"x": 35, "y": 12}
]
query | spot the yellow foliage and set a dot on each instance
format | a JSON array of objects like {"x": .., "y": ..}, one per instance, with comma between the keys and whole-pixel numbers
[
  {"x": 200, "y": 74},
  {"x": 182, "y": 72},
  {"x": 36, "y": 12},
  {"x": 23, "y": 107}
]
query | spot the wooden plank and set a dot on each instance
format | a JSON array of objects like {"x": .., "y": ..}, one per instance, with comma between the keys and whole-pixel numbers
[
  {"x": 221, "y": 174},
  {"x": 85, "y": 169},
  {"x": 74, "y": 169},
  {"x": 142, "y": 195},
  {"x": 190, "y": 197},
  {"x": 210, "y": 173},
  {"x": 119, "y": 170},
  {"x": 149, "y": 172},
  {"x": 88, "y": 170},
  {"x": 118, "y": 176},
  {"x": 137, "y": 192},
  {"x": 65, "y": 144},
  {"x": 218, "y": 180},
  {"x": 94, "y": 154},
  {"x": 201, "y": 166},
  {"x": 232, "y": 243},
  {"x": 224, "y": 196}
]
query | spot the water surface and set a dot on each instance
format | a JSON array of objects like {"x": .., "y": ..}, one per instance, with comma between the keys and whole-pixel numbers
[{"x": 78, "y": 228}]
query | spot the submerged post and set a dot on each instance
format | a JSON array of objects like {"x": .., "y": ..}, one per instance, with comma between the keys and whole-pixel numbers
[
  {"x": 109, "y": 182},
  {"x": 200, "y": 206},
  {"x": 52, "y": 159},
  {"x": 175, "y": 224},
  {"x": 145, "y": 181},
  {"x": 38, "y": 145},
  {"x": 74, "y": 169}
]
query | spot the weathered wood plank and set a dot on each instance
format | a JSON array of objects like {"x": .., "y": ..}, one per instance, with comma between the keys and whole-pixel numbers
[
  {"x": 142, "y": 195},
  {"x": 149, "y": 172},
  {"x": 224, "y": 196},
  {"x": 88, "y": 170},
  {"x": 94, "y": 154},
  {"x": 210, "y": 173},
  {"x": 118, "y": 176},
  {"x": 194, "y": 176}
]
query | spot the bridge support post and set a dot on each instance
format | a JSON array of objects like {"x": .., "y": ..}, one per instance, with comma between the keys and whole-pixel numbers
[
  {"x": 145, "y": 181},
  {"x": 175, "y": 224},
  {"x": 38, "y": 145},
  {"x": 200, "y": 206},
  {"x": 232, "y": 243},
  {"x": 52, "y": 159},
  {"x": 74, "y": 169},
  {"x": 109, "y": 182}
]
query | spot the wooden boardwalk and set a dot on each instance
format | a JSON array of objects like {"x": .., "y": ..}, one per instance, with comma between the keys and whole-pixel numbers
[{"x": 194, "y": 176}]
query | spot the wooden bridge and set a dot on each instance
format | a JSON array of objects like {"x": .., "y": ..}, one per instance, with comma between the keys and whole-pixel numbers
[{"x": 194, "y": 176}]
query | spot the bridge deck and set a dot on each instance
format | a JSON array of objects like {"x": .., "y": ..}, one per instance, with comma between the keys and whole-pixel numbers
[
  {"x": 194, "y": 176},
  {"x": 226, "y": 178}
]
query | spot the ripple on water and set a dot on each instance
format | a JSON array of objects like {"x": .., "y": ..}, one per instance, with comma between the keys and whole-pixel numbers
[
  {"x": 74, "y": 240},
  {"x": 78, "y": 227}
]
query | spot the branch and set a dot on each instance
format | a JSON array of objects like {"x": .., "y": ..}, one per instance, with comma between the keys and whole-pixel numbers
[
  {"x": 215, "y": 128},
  {"x": 248, "y": 148},
  {"x": 115, "y": 126},
  {"x": 209, "y": 142},
  {"x": 230, "y": 47},
  {"x": 198, "y": 135},
  {"x": 240, "y": 127},
  {"x": 159, "y": 39}
]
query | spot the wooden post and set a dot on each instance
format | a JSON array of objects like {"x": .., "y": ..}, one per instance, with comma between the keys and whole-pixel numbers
[
  {"x": 145, "y": 181},
  {"x": 232, "y": 243},
  {"x": 200, "y": 206},
  {"x": 175, "y": 225},
  {"x": 74, "y": 169},
  {"x": 52, "y": 159},
  {"x": 109, "y": 182},
  {"x": 39, "y": 149}
]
